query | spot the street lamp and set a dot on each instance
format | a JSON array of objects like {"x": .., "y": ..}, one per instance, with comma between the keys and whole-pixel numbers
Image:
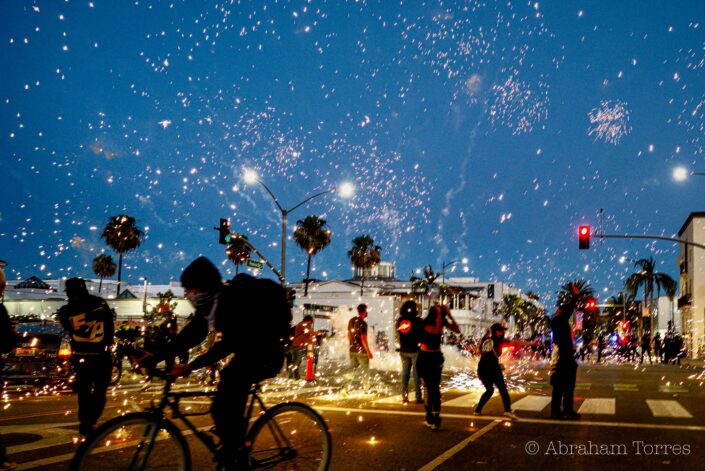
[
  {"x": 463, "y": 260},
  {"x": 344, "y": 190},
  {"x": 680, "y": 174}
]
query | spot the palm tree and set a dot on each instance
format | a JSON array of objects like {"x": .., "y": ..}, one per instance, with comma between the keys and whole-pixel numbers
[
  {"x": 648, "y": 278},
  {"x": 621, "y": 306},
  {"x": 238, "y": 251},
  {"x": 425, "y": 283},
  {"x": 515, "y": 307},
  {"x": 122, "y": 235},
  {"x": 103, "y": 267},
  {"x": 312, "y": 236},
  {"x": 364, "y": 255},
  {"x": 579, "y": 290}
]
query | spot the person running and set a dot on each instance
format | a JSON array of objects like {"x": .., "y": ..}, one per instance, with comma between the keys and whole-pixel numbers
[
  {"x": 408, "y": 331},
  {"x": 88, "y": 321},
  {"x": 564, "y": 367},
  {"x": 489, "y": 368},
  {"x": 646, "y": 347},
  {"x": 430, "y": 360},
  {"x": 8, "y": 341},
  {"x": 360, "y": 352}
]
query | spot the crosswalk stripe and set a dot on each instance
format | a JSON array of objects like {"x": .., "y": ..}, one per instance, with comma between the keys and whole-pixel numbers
[
  {"x": 672, "y": 389},
  {"x": 667, "y": 408},
  {"x": 532, "y": 403},
  {"x": 598, "y": 405},
  {"x": 625, "y": 387},
  {"x": 467, "y": 400},
  {"x": 583, "y": 386}
]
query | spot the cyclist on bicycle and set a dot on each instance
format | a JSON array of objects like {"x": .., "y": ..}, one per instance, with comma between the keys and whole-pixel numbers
[{"x": 251, "y": 315}]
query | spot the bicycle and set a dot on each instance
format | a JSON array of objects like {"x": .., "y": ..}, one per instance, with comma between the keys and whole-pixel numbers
[{"x": 288, "y": 436}]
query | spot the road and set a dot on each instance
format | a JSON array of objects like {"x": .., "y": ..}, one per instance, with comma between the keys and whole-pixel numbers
[{"x": 632, "y": 415}]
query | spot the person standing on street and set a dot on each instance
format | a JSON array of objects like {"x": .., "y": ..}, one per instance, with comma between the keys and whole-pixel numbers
[
  {"x": 88, "y": 321},
  {"x": 430, "y": 360},
  {"x": 564, "y": 367},
  {"x": 646, "y": 347},
  {"x": 304, "y": 335},
  {"x": 658, "y": 350},
  {"x": 409, "y": 330},
  {"x": 489, "y": 368},
  {"x": 8, "y": 341},
  {"x": 600, "y": 346},
  {"x": 360, "y": 352}
]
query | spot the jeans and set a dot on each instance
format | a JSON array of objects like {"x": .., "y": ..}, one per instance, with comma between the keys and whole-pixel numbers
[
  {"x": 408, "y": 360},
  {"x": 489, "y": 380},
  {"x": 297, "y": 354},
  {"x": 360, "y": 363},
  {"x": 92, "y": 380},
  {"x": 563, "y": 382},
  {"x": 430, "y": 366}
]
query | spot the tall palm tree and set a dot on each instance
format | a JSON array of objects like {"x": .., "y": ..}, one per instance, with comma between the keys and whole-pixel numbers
[
  {"x": 515, "y": 307},
  {"x": 621, "y": 306},
  {"x": 238, "y": 251},
  {"x": 103, "y": 267},
  {"x": 648, "y": 278},
  {"x": 579, "y": 290},
  {"x": 122, "y": 235},
  {"x": 312, "y": 236},
  {"x": 364, "y": 255}
]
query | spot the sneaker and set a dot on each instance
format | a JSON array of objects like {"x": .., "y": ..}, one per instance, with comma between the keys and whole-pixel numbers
[
  {"x": 431, "y": 425},
  {"x": 8, "y": 465},
  {"x": 405, "y": 400},
  {"x": 477, "y": 413},
  {"x": 511, "y": 415},
  {"x": 572, "y": 415}
]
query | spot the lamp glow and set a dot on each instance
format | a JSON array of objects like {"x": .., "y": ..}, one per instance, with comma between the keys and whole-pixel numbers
[
  {"x": 250, "y": 176},
  {"x": 680, "y": 174},
  {"x": 346, "y": 190}
]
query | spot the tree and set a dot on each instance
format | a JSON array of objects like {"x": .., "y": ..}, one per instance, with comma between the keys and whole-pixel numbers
[
  {"x": 364, "y": 255},
  {"x": 238, "y": 251},
  {"x": 580, "y": 292},
  {"x": 515, "y": 307},
  {"x": 312, "y": 236},
  {"x": 426, "y": 283},
  {"x": 619, "y": 307},
  {"x": 164, "y": 308},
  {"x": 648, "y": 278},
  {"x": 122, "y": 235},
  {"x": 103, "y": 267}
]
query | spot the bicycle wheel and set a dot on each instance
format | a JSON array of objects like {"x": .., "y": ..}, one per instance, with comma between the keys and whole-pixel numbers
[
  {"x": 136, "y": 441},
  {"x": 290, "y": 436}
]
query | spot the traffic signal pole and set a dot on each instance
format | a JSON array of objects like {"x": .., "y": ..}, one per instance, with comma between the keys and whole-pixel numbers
[{"x": 650, "y": 237}]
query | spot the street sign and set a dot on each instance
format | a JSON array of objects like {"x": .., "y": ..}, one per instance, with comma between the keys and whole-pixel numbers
[{"x": 254, "y": 264}]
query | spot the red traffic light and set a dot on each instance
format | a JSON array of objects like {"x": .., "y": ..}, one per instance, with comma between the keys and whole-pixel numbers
[
  {"x": 584, "y": 237},
  {"x": 591, "y": 304}
]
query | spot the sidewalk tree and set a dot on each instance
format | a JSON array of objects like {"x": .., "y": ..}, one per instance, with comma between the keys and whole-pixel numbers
[
  {"x": 312, "y": 236},
  {"x": 122, "y": 235},
  {"x": 103, "y": 267},
  {"x": 514, "y": 307},
  {"x": 164, "y": 308},
  {"x": 650, "y": 280},
  {"x": 364, "y": 255},
  {"x": 238, "y": 251}
]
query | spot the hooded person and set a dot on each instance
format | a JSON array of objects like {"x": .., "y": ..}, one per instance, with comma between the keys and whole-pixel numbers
[
  {"x": 88, "y": 321},
  {"x": 564, "y": 366},
  {"x": 241, "y": 311}
]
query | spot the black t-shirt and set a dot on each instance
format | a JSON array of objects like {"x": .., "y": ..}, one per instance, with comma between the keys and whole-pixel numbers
[
  {"x": 491, "y": 350},
  {"x": 89, "y": 323},
  {"x": 409, "y": 329},
  {"x": 357, "y": 327},
  {"x": 432, "y": 329}
]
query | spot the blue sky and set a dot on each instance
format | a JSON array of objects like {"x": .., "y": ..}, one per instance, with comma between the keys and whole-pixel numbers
[{"x": 465, "y": 126}]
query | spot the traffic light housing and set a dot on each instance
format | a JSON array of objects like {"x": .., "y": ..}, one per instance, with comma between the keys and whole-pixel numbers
[
  {"x": 223, "y": 231},
  {"x": 591, "y": 304},
  {"x": 291, "y": 296},
  {"x": 584, "y": 237}
]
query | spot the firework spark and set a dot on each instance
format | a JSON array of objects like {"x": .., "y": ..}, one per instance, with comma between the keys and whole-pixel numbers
[{"x": 609, "y": 122}]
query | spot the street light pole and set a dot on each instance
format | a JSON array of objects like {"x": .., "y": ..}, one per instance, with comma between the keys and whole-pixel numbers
[
  {"x": 251, "y": 177},
  {"x": 464, "y": 261}
]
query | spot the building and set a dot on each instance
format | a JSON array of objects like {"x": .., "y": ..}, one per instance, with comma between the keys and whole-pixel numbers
[{"x": 691, "y": 300}]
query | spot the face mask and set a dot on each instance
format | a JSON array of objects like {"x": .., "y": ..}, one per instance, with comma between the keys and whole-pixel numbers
[{"x": 200, "y": 300}]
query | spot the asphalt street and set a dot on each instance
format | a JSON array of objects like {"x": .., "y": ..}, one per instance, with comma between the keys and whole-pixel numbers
[{"x": 632, "y": 415}]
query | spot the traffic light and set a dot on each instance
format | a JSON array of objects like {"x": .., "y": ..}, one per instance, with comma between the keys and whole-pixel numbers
[
  {"x": 591, "y": 304},
  {"x": 291, "y": 296},
  {"x": 584, "y": 237},
  {"x": 223, "y": 231}
]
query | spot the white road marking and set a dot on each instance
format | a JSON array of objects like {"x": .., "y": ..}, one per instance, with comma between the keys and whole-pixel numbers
[
  {"x": 459, "y": 447},
  {"x": 467, "y": 401},
  {"x": 662, "y": 408},
  {"x": 532, "y": 403},
  {"x": 598, "y": 405}
]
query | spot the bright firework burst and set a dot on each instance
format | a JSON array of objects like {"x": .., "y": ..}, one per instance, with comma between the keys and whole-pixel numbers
[{"x": 610, "y": 121}]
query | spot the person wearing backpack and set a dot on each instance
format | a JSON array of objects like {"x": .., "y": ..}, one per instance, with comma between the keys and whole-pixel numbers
[
  {"x": 408, "y": 331},
  {"x": 88, "y": 321},
  {"x": 490, "y": 369},
  {"x": 8, "y": 341},
  {"x": 253, "y": 317}
]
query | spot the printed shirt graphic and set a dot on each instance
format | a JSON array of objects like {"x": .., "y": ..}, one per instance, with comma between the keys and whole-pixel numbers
[
  {"x": 89, "y": 324},
  {"x": 87, "y": 327}
]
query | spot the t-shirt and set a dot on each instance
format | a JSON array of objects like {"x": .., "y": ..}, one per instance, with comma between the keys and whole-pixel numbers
[
  {"x": 491, "y": 350},
  {"x": 409, "y": 329},
  {"x": 357, "y": 327},
  {"x": 89, "y": 323},
  {"x": 432, "y": 330},
  {"x": 303, "y": 335}
]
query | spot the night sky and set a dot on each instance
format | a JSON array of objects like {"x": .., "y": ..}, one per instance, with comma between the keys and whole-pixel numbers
[{"x": 479, "y": 129}]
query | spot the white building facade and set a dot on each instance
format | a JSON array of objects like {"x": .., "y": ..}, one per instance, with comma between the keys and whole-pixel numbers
[{"x": 691, "y": 300}]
